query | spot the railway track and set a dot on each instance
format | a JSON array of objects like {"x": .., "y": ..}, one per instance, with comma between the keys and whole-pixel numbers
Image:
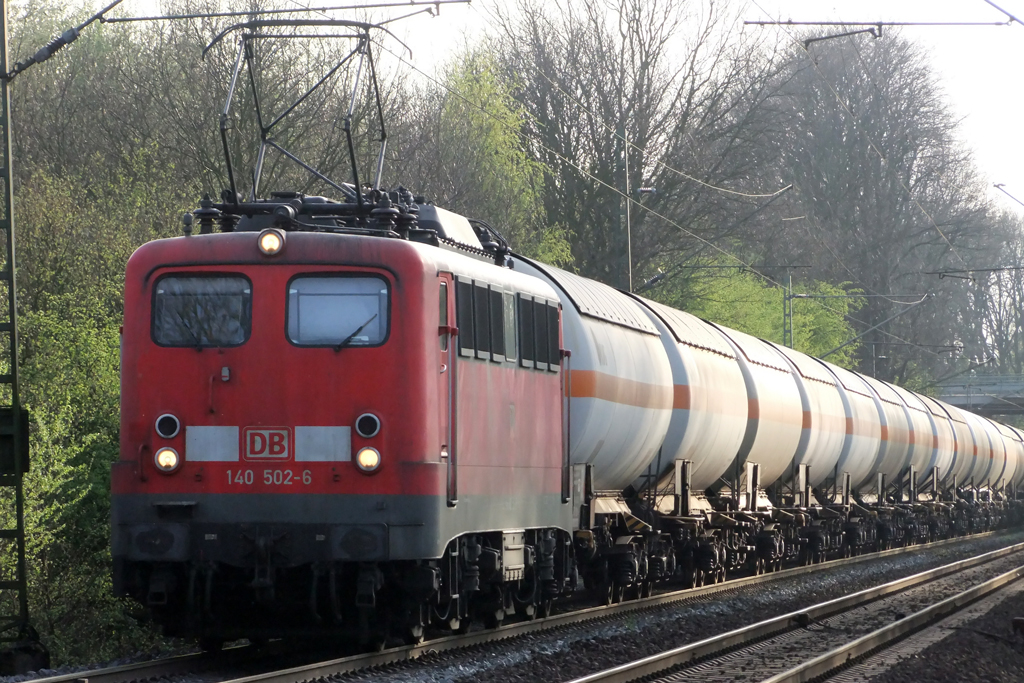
[
  {"x": 812, "y": 642},
  {"x": 238, "y": 663}
]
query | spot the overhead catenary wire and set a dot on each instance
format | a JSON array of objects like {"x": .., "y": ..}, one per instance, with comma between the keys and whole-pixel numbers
[
  {"x": 618, "y": 192},
  {"x": 594, "y": 178},
  {"x": 300, "y": 8}
]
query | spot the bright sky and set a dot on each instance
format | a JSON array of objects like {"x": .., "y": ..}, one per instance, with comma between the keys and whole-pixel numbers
[{"x": 979, "y": 67}]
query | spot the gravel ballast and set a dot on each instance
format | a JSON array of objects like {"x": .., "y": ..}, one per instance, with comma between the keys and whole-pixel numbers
[
  {"x": 582, "y": 650},
  {"x": 985, "y": 649},
  {"x": 575, "y": 651}
]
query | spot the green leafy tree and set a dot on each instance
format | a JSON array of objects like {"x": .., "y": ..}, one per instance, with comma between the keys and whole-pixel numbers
[
  {"x": 463, "y": 150},
  {"x": 740, "y": 299}
]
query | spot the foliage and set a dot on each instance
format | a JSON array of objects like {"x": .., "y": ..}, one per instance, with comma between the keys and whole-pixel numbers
[
  {"x": 464, "y": 151},
  {"x": 70, "y": 375},
  {"x": 117, "y": 135},
  {"x": 75, "y": 234},
  {"x": 742, "y": 300}
]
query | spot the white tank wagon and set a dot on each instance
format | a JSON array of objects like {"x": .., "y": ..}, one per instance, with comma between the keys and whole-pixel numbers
[
  {"x": 897, "y": 432},
  {"x": 825, "y": 416},
  {"x": 865, "y": 418},
  {"x": 986, "y": 440},
  {"x": 1017, "y": 477},
  {"x": 966, "y": 447},
  {"x": 619, "y": 382},
  {"x": 697, "y": 448},
  {"x": 709, "y": 412},
  {"x": 940, "y": 465},
  {"x": 1014, "y": 454},
  {"x": 774, "y": 414},
  {"x": 989, "y": 474},
  {"x": 923, "y": 432}
]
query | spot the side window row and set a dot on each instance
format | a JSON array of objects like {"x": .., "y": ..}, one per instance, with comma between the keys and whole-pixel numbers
[{"x": 487, "y": 318}]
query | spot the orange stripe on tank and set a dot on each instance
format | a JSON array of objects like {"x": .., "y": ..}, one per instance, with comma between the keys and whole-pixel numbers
[
  {"x": 594, "y": 384},
  {"x": 807, "y": 419},
  {"x": 753, "y": 409},
  {"x": 849, "y": 425},
  {"x": 681, "y": 397},
  {"x": 885, "y": 433}
]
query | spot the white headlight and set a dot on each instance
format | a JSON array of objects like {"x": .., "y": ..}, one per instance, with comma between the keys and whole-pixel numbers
[
  {"x": 368, "y": 459},
  {"x": 271, "y": 241},
  {"x": 166, "y": 460}
]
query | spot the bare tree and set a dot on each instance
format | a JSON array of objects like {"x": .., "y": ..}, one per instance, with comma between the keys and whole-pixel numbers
[
  {"x": 666, "y": 76},
  {"x": 884, "y": 193}
]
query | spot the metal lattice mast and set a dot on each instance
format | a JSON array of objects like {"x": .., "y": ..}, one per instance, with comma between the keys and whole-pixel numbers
[{"x": 12, "y": 467}]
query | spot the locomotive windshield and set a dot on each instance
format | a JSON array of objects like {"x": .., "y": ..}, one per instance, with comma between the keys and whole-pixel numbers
[
  {"x": 202, "y": 311},
  {"x": 337, "y": 311}
]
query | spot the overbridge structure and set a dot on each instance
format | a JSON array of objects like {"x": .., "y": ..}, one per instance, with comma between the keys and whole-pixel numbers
[{"x": 988, "y": 395}]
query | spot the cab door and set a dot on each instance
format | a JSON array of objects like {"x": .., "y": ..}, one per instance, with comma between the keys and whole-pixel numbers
[{"x": 447, "y": 354}]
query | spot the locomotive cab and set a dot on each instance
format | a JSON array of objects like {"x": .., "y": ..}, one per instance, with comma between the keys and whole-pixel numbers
[{"x": 306, "y": 432}]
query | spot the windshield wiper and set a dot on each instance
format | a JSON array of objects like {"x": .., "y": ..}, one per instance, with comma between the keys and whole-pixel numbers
[
  {"x": 188, "y": 328},
  {"x": 345, "y": 342}
]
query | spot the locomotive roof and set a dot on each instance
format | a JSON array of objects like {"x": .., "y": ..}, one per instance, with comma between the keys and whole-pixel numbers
[{"x": 239, "y": 248}]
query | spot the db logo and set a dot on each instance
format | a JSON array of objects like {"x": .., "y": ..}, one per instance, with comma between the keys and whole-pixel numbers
[{"x": 266, "y": 444}]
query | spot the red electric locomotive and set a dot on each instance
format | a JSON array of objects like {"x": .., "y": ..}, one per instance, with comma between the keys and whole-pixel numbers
[{"x": 300, "y": 449}]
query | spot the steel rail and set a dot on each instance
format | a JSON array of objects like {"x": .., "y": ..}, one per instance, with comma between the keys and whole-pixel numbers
[
  {"x": 154, "y": 668},
  {"x": 893, "y": 632},
  {"x": 192, "y": 662},
  {"x": 303, "y": 674},
  {"x": 664, "y": 661}
]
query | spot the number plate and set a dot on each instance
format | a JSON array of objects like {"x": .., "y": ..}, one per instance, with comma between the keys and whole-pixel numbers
[{"x": 270, "y": 477}]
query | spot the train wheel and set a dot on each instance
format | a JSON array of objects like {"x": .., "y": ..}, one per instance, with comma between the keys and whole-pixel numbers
[
  {"x": 620, "y": 593},
  {"x": 415, "y": 636},
  {"x": 609, "y": 594},
  {"x": 646, "y": 589},
  {"x": 544, "y": 608},
  {"x": 492, "y": 620},
  {"x": 698, "y": 578}
]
